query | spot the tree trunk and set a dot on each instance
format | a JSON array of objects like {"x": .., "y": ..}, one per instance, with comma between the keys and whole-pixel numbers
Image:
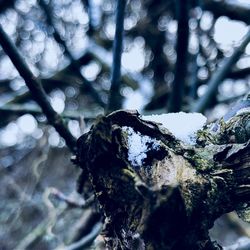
[{"x": 170, "y": 197}]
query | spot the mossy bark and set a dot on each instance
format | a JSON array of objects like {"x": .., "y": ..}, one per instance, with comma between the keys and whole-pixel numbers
[{"x": 172, "y": 199}]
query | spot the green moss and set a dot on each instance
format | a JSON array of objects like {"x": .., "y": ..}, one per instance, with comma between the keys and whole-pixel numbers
[
  {"x": 201, "y": 158},
  {"x": 244, "y": 214}
]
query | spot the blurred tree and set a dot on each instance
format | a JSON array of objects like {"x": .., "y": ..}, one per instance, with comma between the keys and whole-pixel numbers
[{"x": 66, "y": 62}]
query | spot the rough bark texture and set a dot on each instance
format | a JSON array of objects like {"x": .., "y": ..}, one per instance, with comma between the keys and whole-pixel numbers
[{"x": 171, "y": 200}]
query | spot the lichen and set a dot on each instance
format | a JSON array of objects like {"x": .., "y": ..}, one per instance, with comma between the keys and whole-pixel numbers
[{"x": 244, "y": 214}]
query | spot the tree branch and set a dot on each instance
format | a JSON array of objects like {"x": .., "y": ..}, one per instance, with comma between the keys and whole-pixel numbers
[
  {"x": 18, "y": 110},
  {"x": 239, "y": 73},
  {"x": 36, "y": 233},
  {"x": 220, "y": 74},
  {"x": 86, "y": 240},
  {"x": 115, "y": 97},
  {"x": 74, "y": 62},
  {"x": 64, "y": 77},
  {"x": 231, "y": 9},
  {"x": 36, "y": 89},
  {"x": 170, "y": 199},
  {"x": 175, "y": 102}
]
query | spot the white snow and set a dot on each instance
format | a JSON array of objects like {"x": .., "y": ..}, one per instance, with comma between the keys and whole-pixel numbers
[
  {"x": 139, "y": 145},
  {"x": 183, "y": 126},
  {"x": 242, "y": 242}
]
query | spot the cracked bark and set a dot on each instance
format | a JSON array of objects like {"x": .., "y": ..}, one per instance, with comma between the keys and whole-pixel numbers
[{"x": 172, "y": 199}]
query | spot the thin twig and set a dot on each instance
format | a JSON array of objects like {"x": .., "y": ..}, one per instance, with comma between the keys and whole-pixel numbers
[
  {"x": 194, "y": 75},
  {"x": 36, "y": 89},
  {"x": 239, "y": 73},
  {"x": 32, "y": 236},
  {"x": 17, "y": 110},
  {"x": 63, "y": 77},
  {"x": 76, "y": 66},
  {"x": 115, "y": 98},
  {"x": 73, "y": 203},
  {"x": 228, "y": 62},
  {"x": 232, "y": 9},
  {"x": 87, "y": 240},
  {"x": 83, "y": 225},
  {"x": 228, "y": 100},
  {"x": 176, "y": 98},
  {"x": 37, "y": 232}
]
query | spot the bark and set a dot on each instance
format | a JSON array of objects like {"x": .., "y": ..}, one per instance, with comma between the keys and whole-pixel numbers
[{"x": 171, "y": 200}]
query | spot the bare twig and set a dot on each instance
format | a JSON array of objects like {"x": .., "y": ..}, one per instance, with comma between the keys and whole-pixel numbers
[
  {"x": 17, "y": 110},
  {"x": 48, "y": 84},
  {"x": 175, "y": 103},
  {"x": 73, "y": 203},
  {"x": 40, "y": 230},
  {"x": 87, "y": 240},
  {"x": 83, "y": 225},
  {"x": 115, "y": 98},
  {"x": 101, "y": 55},
  {"x": 221, "y": 73},
  {"x": 36, "y": 89},
  {"x": 239, "y": 73},
  {"x": 228, "y": 100},
  {"x": 231, "y": 9},
  {"x": 64, "y": 77},
  {"x": 32, "y": 236},
  {"x": 194, "y": 75},
  {"x": 75, "y": 63}
]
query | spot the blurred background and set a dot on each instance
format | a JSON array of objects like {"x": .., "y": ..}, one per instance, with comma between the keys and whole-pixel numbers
[{"x": 174, "y": 54}]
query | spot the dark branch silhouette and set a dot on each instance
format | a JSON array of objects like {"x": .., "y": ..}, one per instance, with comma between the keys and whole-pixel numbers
[
  {"x": 115, "y": 97},
  {"x": 64, "y": 77},
  {"x": 75, "y": 65},
  {"x": 176, "y": 98},
  {"x": 231, "y": 9},
  {"x": 36, "y": 89},
  {"x": 18, "y": 110},
  {"x": 217, "y": 78}
]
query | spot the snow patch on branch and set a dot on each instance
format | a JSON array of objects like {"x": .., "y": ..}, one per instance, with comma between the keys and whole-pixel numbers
[
  {"x": 139, "y": 145},
  {"x": 242, "y": 242},
  {"x": 183, "y": 126}
]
